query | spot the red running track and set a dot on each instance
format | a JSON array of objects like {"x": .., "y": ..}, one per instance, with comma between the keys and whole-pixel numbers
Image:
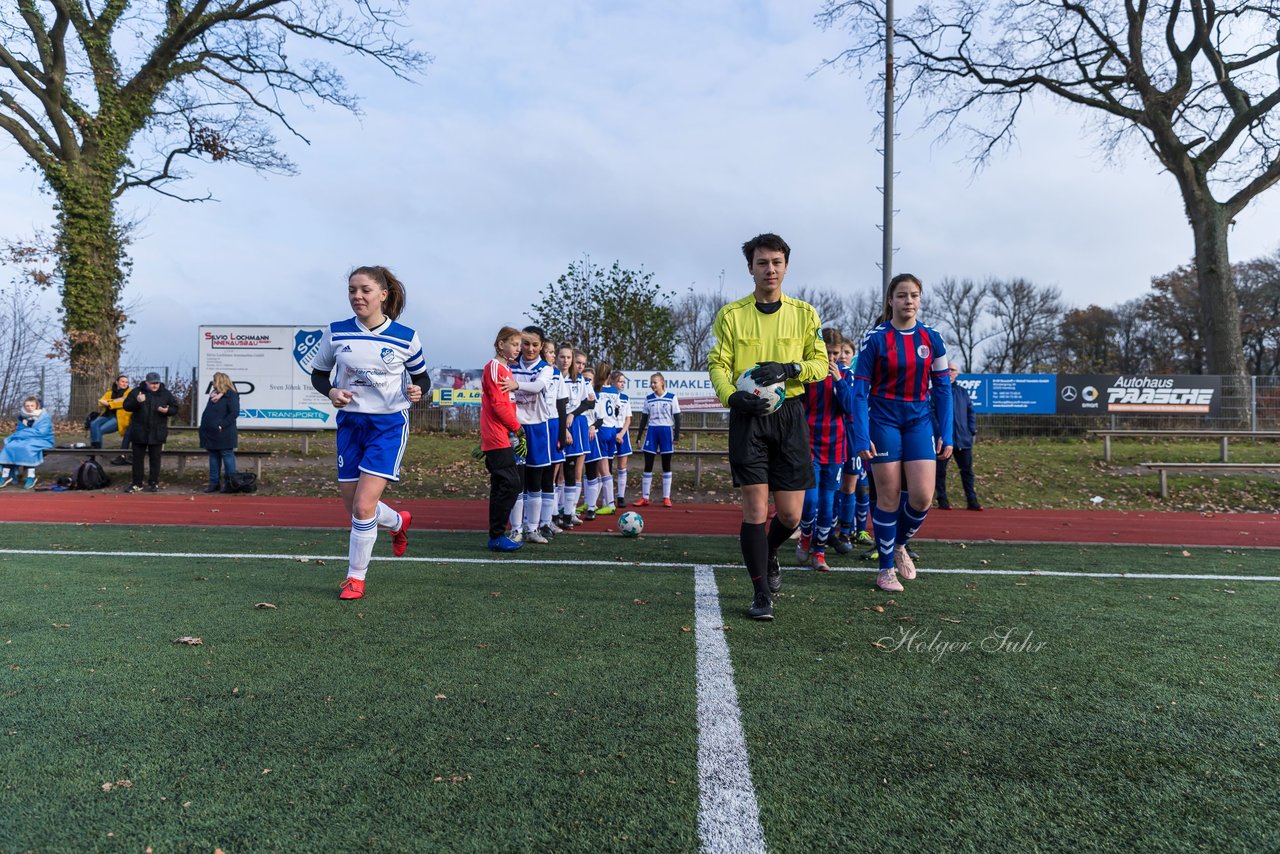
[{"x": 1235, "y": 530}]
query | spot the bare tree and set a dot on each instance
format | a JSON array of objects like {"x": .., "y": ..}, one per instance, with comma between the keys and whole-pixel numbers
[
  {"x": 1259, "y": 282},
  {"x": 1195, "y": 81},
  {"x": 1173, "y": 311},
  {"x": 24, "y": 319},
  {"x": 105, "y": 97},
  {"x": 957, "y": 308},
  {"x": 1026, "y": 318},
  {"x": 694, "y": 314}
]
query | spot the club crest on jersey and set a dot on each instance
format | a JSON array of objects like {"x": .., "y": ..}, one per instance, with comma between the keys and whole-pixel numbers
[
  {"x": 305, "y": 342},
  {"x": 923, "y": 351},
  {"x": 386, "y": 354}
]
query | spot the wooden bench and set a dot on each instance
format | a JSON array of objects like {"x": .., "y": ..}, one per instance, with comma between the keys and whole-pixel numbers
[
  {"x": 1224, "y": 436},
  {"x": 1163, "y": 470},
  {"x": 179, "y": 454},
  {"x": 305, "y": 432}
]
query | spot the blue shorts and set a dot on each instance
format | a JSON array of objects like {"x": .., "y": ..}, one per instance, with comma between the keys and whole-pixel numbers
[
  {"x": 901, "y": 432},
  {"x": 608, "y": 439},
  {"x": 538, "y": 438},
  {"x": 578, "y": 430},
  {"x": 369, "y": 443},
  {"x": 855, "y": 466},
  {"x": 593, "y": 449},
  {"x": 658, "y": 440},
  {"x": 557, "y": 453},
  {"x": 624, "y": 443}
]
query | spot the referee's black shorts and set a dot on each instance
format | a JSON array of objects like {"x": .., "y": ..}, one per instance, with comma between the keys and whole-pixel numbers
[{"x": 772, "y": 449}]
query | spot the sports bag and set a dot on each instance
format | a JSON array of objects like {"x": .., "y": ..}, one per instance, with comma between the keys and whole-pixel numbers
[
  {"x": 242, "y": 481},
  {"x": 90, "y": 475}
]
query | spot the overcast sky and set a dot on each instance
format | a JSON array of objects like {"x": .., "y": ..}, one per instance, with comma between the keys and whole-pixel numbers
[{"x": 659, "y": 134}]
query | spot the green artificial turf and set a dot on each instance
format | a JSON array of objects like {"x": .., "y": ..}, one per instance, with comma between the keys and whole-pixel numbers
[{"x": 544, "y": 702}]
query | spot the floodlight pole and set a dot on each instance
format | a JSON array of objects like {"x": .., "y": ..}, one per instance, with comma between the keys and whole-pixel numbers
[{"x": 886, "y": 251}]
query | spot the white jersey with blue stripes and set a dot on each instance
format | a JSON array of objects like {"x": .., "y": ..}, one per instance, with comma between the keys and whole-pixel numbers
[
  {"x": 661, "y": 410},
  {"x": 536, "y": 381},
  {"x": 373, "y": 364}
]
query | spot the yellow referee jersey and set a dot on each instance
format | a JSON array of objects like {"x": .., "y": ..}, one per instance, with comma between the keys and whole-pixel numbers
[{"x": 744, "y": 336}]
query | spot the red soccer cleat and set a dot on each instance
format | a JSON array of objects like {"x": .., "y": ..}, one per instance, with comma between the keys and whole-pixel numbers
[
  {"x": 643, "y": 502},
  {"x": 400, "y": 539},
  {"x": 666, "y": 502},
  {"x": 352, "y": 588}
]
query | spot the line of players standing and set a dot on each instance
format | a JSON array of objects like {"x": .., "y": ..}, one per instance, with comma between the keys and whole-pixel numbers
[{"x": 555, "y": 434}]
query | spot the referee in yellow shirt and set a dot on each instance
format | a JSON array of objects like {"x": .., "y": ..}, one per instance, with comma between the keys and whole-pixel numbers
[{"x": 778, "y": 338}]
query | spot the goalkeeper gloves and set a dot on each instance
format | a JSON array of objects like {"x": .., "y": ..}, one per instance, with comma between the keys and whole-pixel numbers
[
  {"x": 768, "y": 373},
  {"x": 748, "y": 404}
]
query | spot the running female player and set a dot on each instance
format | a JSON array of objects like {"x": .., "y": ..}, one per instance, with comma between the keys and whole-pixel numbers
[
  {"x": 372, "y": 369},
  {"x": 894, "y": 429}
]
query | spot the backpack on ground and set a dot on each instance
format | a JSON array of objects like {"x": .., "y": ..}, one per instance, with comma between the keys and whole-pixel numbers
[
  {"x": 90, "y": 475},
  {"x": 242, "y": 481}
]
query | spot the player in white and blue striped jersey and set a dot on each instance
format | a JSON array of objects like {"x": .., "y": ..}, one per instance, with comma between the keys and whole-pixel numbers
[
  {"x": 535, "y": 405},
  {"x": 372, "y": 369},
  {"x": 658, "y": 433}
]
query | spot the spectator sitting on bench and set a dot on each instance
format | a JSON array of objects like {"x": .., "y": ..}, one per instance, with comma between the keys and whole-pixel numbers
[
  {"x": 113, "y": 418},
  {"x": 26, "y": 446}
]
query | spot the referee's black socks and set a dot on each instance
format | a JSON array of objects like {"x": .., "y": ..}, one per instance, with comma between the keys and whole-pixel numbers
[
  {"x": 778, "y": 534},
  {"x": 755, "y": 554}
]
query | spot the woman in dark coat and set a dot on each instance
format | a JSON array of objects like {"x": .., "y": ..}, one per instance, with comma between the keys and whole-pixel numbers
[
  {"x": 218, "y": 431},
  {"x": 152, "y": 405}
]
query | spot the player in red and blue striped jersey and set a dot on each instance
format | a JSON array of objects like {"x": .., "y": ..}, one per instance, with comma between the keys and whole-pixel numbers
[
  {"x": 826, "y": 403},
  {"x": 853, "y": 501},
  {"x": 893, "y": 423}
]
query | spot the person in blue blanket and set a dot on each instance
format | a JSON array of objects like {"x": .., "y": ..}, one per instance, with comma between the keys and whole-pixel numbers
[{"x": 25, "y": 447}]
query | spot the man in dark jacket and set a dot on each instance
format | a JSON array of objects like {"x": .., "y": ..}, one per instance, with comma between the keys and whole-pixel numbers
[
  {"x": 966, "y": 430},
  {"x": 151, "y": 405}
]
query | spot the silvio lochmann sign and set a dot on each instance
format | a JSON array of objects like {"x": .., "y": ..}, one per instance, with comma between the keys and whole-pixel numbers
[
  {"x": 1096, "y": 394},
  {"x": 271, "y": 368}
]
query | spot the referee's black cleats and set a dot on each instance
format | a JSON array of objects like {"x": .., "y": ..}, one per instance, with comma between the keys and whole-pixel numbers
[
  {"x": 774, "y": 574},
  {"x": 761, "y": 607}
]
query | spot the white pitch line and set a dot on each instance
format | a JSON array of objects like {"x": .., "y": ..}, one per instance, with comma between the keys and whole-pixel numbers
[
  {"x": 728, "y": 815},
  {"x": 303, "y": 558}
]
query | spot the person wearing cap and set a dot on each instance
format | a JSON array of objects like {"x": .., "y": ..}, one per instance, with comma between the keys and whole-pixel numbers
[{"x": 151, "y": 405}]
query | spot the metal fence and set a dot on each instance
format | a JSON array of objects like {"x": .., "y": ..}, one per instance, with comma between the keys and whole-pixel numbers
[{"x": 1255, "y": 407}]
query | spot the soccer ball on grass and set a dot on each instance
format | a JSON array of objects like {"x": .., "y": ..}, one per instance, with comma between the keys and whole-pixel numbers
[
  {"x": 774, "y": 393},
  {"x": 630, "y": 524}
]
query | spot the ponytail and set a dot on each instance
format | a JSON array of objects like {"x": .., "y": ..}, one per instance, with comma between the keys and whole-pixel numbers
[{"x": 394, "y": 303}]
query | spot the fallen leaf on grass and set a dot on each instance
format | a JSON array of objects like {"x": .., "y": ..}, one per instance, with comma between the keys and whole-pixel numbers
[
  {"x": 878, "y": 645},
  {"x": 190, "y": 641},
  {"x": 442, "y": 696},
  {"x": 452, "y": 778},
  {"x": 949, "y": 620},
  {"x": 62, "y": 625},
  {"x": 685, "y": 629},
  {"x": 495, "y": 594},
  {"x": 1186, "y": 553},
  {"x": 639, "y": 601},
  {"x": 118, "y": 784},
  {"x": 265, "y": 605}
]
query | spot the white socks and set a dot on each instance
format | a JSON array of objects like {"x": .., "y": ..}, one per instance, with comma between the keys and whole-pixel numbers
[
  {"x": 364, "y": 533},
  {"x": 387, "y": 518}
]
